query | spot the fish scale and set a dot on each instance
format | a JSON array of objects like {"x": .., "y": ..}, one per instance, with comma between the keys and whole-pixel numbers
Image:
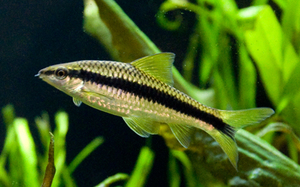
[{"x": 141, "y": 92}]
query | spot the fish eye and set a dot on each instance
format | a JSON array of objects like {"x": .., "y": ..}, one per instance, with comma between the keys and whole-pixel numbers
[{"x": 61, "y": 73}]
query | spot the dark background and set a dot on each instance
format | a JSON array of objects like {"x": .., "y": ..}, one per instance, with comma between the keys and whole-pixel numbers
[{"x": 36, "y": 34}]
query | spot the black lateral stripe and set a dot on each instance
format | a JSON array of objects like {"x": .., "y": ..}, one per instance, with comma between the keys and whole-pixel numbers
[
  {"x": 49, "y": 72},
  {"x": 155, "y": 95}
]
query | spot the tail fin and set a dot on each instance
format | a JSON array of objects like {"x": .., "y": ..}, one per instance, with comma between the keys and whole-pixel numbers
[
  {"x": 236, "y": 120},
  {"x": 241, "y": 118}
]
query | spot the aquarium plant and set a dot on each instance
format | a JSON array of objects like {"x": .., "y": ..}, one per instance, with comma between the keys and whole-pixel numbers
[
  {"x": 267, "y": 51},
  {"x": 235, "y": 53}
]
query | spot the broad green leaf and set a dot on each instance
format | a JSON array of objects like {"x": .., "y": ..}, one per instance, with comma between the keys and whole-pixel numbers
[
  {"x": 27, "y": 152},
  {"x": 291, "y": 112},
  {"x": 120, "y": 30},
  {"x": 291, "y": 88},
  {"x": 291, "y": 23},
  {"x": 259, "y": 2},
  {"x": 290, "y": 62},
  {"x": 259, "y": 162},
  {"x": 264, "y": 42},
  {"x": 247, "y": 80},
  {"x": 98, "y": 15},
  {"x": 273, "y": 54},
  {"x": 290, "y": 76},
  {"x": 282, "y": 4}
]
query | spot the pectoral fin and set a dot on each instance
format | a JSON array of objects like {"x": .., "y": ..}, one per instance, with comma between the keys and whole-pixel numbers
[
  {"x": 183, "y": 133},
  {"x": 95, "y": 94}
]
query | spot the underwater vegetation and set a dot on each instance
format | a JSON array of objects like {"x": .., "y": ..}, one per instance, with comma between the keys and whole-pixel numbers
[
  {"x": 266, "y": 49},
  {"x": 22, "y": 164}
]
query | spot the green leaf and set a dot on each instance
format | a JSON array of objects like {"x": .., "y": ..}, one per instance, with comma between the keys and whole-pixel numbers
[
  {"x": 97, "y": 18},
  {"x": 291, "y": 88},
  {"x": 43, "y": 126},
  {"x": 84, "y": 153},
  {"x": 27, "y": 152},
  {"x": 187, "y": 168},
  {"x": 247, "y": 80},
  {"x": 174, "y": 172},
  {"x": 291, "y": 23},
  {"x": 282, "y": 4},
  {"x": 293, "y": 139},
  {"x": 112, "y": 179},
  {"x": 120, "y": 31},
  {"x": 264, "y": 42},
  {"x": 60, "y": 132},
  {"x": 8, "y": 114},
  {"x": 142, "y": 168},
  {"x": 259, "y": 2}
]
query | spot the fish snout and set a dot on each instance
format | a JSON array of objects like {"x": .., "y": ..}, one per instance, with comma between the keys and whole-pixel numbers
[
  {"x": 39, "y": 74},
  {"x": 44, "y": 72}
]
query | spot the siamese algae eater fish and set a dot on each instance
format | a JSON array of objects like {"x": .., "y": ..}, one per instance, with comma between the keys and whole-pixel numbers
[{"x": 141, "y": 92}]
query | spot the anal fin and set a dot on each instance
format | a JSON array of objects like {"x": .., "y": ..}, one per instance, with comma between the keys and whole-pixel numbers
[
  {"x": 147, "y": 125},
  {"x": 133, "y": 126},
  {"x": 183, "y": 133}
]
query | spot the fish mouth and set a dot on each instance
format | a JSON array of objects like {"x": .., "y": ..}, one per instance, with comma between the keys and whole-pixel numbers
[{"x": 40, "y": 74}]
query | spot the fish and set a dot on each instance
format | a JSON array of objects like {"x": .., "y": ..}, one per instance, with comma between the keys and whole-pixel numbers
[{"x": 142, "y": 93}]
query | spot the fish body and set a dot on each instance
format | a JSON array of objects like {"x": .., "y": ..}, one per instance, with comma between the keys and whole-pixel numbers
[{"x": 142, "y": 93}]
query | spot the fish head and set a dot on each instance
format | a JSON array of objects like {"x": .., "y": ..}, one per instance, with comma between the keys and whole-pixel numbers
[{"x": 61, "y": 76}]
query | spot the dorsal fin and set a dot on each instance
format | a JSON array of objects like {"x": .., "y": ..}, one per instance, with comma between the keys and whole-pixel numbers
[{"x": 158, "y": 65}]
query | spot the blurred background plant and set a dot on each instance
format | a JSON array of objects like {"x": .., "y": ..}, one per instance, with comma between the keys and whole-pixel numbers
[
  {"x": 23, "y": 164},
  {"x": 240, "y": 53},
  {"x": 236, "y": 58},
  {"x": 234, "y": 55}
]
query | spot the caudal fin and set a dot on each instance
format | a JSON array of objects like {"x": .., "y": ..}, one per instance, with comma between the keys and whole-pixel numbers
[
  {"x": 241, "y": 118},
  {"x": 236, "y": 120}
]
